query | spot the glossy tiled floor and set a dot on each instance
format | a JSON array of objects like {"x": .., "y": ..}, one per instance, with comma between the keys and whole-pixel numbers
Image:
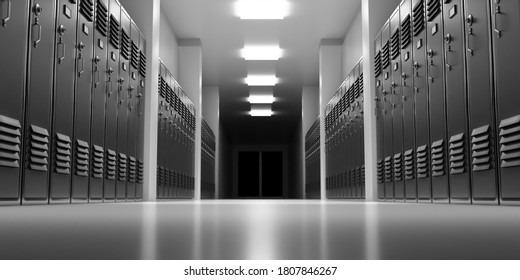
[{"x": 259, "y": 230}]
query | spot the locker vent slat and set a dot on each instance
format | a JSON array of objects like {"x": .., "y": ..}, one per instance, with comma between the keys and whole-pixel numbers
[
  {"x": 122, "y": 167},
  {"x": 361, "y": 85},
  {"x": 388, "y": 170},
  {"x": 438, "y": 164},
  {"x": 142, "y": 64},
  {"x": 135, "y": 56},
  {"x": 398, "y": 167},
  {"x": 10, "y": 141},
  {"x": 140, "y": 172},
  {"x": 418, "y": 18},
  {"x": 395, "y": 47},
  {"x": 377, "y": 66},
  {"x": 457, "y": 154},
  {"x": 114, "y": 32},
  {"x": 422, "y": 162},
  {"x": 433, "y": 8},
  {"x": 481, "y": 149},
  {"x": 358, "y": 87},
  {"x": 39, "y": 153},
  {"x": 125, "y": 44},
  {"x": 98, "y": 162},
  {"x": 406, "y": 32},
  {"x": 86, "y": 8},
  {"x": 510, "y": 142},
  {"x": 158, "y": 176},
  {"x": 385, "y": 56},
  {"x": 132, "y": 169},
  {"x": 409, "y": 166},
  {"x": 102, "y": 18},
  {"x": 363, "y": 175},
  {"x": 162, "y": 87},
  {"x": 111, "y": 162},
  {"x": 63, "y": 154},
  {"x": 380, "y": 172},
  {"x": 82, "y": 158}
]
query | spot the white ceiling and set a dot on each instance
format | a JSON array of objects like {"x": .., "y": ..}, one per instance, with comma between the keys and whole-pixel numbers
[{"x": 223, "y": 34}]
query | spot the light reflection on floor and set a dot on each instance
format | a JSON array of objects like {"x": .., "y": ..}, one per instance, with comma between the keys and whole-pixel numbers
[{"x": 254, "y": 229}]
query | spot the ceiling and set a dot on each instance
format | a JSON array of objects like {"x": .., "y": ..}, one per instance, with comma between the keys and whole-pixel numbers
[{"x": 223, "y": 35}]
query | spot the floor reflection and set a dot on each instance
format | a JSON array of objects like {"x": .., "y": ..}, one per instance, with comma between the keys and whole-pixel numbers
[{"x": 261, "y": 229}]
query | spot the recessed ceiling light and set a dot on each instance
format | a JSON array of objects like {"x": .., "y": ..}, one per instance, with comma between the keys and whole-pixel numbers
[
  {"x": 261, "y": 80},
  {"x": 261, "y": 99},
  {"x": 261, "y": 52},
  {"x": 262, "y": 9},
  {"x": 261, "y": 113}
]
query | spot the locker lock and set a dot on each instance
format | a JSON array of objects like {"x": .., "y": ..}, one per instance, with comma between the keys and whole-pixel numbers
[
  {"x": 62, "y": 29},
  {"x": 430, "y": 53},
  {"x": 470, "y": 20},
  {"x": 448, "y": 38},
  {"x": 394, "y": 85},
  {"x": 110, "y": 70},
  {"x": 121, "y": 80},
  {"x": 416, "y": 65},
  {"x": 37, "y": 9},
  {"x": 139, "y": 96},
  {"x": 404, "y": 76},
  {"x": 97, "y": 59},
  {"x": 131, "y": 88},
  {"x": 81, "y": 46}
]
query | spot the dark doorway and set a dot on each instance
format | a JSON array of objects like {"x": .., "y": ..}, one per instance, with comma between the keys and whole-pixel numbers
[
  {"x": 260, "y": 174},
  {"x": 272, "y": 174},
  {"x": 249, "y": 174}
]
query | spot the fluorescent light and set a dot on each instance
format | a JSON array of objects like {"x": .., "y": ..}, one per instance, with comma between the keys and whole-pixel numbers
[
  {"x": 261, "y": 53},
  {"x": 262, "y": 9},
  {"x": 261, "y": 99},
  {"x": 261, "y": 113},
  {"x": 261, "y": 80}
]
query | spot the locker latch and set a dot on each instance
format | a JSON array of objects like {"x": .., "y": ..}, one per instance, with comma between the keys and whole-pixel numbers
[{"x": 8, "y": 16}]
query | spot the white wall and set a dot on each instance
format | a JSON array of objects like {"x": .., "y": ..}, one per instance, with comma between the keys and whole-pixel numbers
[
  {"x": 310, "y": 107},
  {"x": 168, "y": 46},
  {"x": 210, "y": 106},
  {"x": 353, "y": 44}
]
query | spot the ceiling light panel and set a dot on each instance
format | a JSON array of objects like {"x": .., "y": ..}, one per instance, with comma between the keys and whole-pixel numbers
[
  {"x": 261, "y": 99},
  {"x": 261, "y": 80},
  {"x": 262, "y": 9},
  {"x": 261, "y": 53},
  {"x": 261, "y": 113}
]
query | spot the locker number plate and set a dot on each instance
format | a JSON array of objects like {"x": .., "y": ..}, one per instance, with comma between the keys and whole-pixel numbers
[
  {"x": 406, "y": 56},
  {"x": 85, "y": 29},
  {"x": 113, "y": 56},
  {"x": 133, "y": 75},
  {"x": 66, "y": 11},
  {"x": 386, "y": 76},
  {"x": 419, "y": 44},
  {"x": 435, "y": 28},
  {"x": 142, "y": 84},
  {"x": 124, "y": 66},
  {"x": 396, "y": 66},
  {"x": 100, "y": 44},
  {"x": 453, "y": 11}
]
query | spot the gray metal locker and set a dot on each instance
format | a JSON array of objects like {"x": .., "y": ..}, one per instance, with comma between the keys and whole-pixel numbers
[
  {"x": 379, "y": 118},
  {"x": 63, "y": 112},
  {"x": 99, "y": 95},
  {"x": 82, "y": 110},
  {"x": 397, "y": 105},
  {"x": 161, "y": 132},
  {"x": 387, "y": 114},
  {"x": 122, "y": 107},
  {"x": 111, "y": 105},
  {"x": 13, "y": 52},
  {"x": 38, "y": 111},
  {"x": 436, "y": 65},
  {"x": 408, "y": 100},
  {"x": 422, "y": 115},
  {"x": 456, "y": 100},
  {"x": 506, "y": 43},
  {"x": 140, "y": 118}
]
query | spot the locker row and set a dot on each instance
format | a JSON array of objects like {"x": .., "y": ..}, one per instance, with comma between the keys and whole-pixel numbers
[
  {"x": 312, "y": 161},
  {"x": 175, "y": 140},
  {"x": 71, "y": 111},
  {"x": 207, "y": 162},
  {"x": 448, "y": 120},
  {"x": 344, "y": 139}
]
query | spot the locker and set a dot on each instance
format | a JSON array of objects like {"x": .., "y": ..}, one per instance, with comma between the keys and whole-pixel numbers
[
  {"x": 140, "y": 118},
  {"x": 122, "y": 107},
  {"x": 361, "y": 134},
  {"x": 13, "y": 52},
  {"x": 39, "y": 101},
  {"x": 161, "y": 133},
  {"x": 132, "y": 113},
  {"x": 436, "y": 65},
  {"x": 397, "y": 104},
  {"x": 99, "y": 95},
  {"x": 111, "y": 105},
  {"x": 408, "y": 101},
  {"x": 63, "y": 113},
  {"x": 422, "y": 115},
  {"x": 506, "y": 42},
  {"x": 387, "y": 113},
  {"x": 379, "y": 118},
  {"x": 456, "y": 100},
  {"x": 82, "y": 110}
]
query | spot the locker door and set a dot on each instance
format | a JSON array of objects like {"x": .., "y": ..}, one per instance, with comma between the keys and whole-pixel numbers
[
  {"x": 397, "y": 104},
  {"x": 454, "y": 49},
  {"x": 169, "y": 186},
  {"x": 161, "y": 133},
  {"x": 435, "y": 46},
  {"x": 408, "y": 100},
  {"x": 97, "y": 136},
  {"x": 132, "y": 114},
  {"x": 379, "y": 118},
  {"x": 122, "y": 107},
  {"x": 420, "y": 87},
  {"x": 82, "y": 110},
  {"x": 140, "y": 118},
  {"x": 111, "y": 102},
  {"x": 506, "y": 42},
  {"x": 387, "y": 114},
  {"x": 13, "y": 52},
  {"x": 39, "y": 101},
  {"x": 361, "y": 134},
  {"x": 65, "y": 53}
]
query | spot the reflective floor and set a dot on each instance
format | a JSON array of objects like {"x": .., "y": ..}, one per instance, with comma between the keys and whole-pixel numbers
[{"x": 249, "y": 229}]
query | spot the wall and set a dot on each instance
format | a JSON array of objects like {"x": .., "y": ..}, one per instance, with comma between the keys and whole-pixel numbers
[
  {"x": 168, "y": 46},
  {"x": 310, "y": 107},
  {"x": 296, "y": 154},
  {"x": 224, "y": 163},
  {"x": 210, "y": 107},
  {"x": 352, "y": 44}
]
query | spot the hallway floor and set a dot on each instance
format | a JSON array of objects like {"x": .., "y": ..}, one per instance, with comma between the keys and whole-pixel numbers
[{"x": 259, "y": 229}]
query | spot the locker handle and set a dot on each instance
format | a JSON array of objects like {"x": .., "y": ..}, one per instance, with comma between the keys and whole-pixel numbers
[
  {"x": 470, "y": 50},
  {"x": 96, "y": 76},
  {"x": 497, "y": 31},
  {"x": 61, "y": 51},
  {"x": 36, "y": 32},
  {"x": 82, "y": 68},
  {"x": 8, "y": 16},
  {"x": 446, "y": 52}
]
